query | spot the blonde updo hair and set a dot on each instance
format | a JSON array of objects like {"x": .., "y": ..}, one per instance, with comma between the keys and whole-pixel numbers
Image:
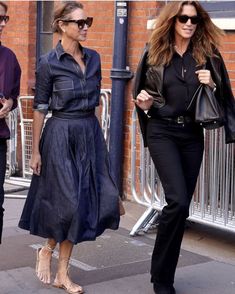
[{"x": 62, "y": 12}]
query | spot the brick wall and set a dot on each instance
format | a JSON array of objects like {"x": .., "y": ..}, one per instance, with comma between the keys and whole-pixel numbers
[
  {"x": 100, "y": 36},
  {"x": 228, "y": 52},
  {"x": 20, "y": 35}
]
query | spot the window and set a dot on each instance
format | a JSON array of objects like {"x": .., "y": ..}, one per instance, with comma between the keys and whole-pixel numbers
[
  {"x": 222, "y": 13},
  {"x": 44, "y": 33},
  {"x": 218, "y": 9}
]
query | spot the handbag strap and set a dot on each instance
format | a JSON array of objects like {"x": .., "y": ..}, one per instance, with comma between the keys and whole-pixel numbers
[
  {"x": 194, "y": 98},
  {"x": 191, "y": 103}
]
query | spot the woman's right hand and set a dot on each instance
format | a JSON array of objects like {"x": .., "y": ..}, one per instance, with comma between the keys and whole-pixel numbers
[
  {"x": 36, "y": 163},
  {"x": 144, "y": 100}
]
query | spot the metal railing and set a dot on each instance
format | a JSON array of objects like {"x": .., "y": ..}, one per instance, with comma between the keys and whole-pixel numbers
[
  {"x": 214, "y": 198},
  {"x": 105, "y": 112},
  {"x": 12, "y": 143}
]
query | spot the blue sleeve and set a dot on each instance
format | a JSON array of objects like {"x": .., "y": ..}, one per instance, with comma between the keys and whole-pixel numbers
[{"x": 44, "y": 86}]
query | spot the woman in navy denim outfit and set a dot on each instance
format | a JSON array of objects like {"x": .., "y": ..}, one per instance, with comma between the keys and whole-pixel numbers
[
  {"x": 72, "y": 197},
  {"x": 10, "y": 73},
  {"x": 182, "y": 54}
]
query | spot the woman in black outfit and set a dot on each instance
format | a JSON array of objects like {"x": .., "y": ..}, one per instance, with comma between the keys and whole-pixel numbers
[
  {"x": 181, "y": 54},
  {"x": 72, "y": 197}
]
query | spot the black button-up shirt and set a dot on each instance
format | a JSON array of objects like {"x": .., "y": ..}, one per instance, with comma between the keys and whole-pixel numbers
[
  {"x": 179, "y": 84},
  {"x": 10, "y": 74},
  {"x": 61, "y": 85}
]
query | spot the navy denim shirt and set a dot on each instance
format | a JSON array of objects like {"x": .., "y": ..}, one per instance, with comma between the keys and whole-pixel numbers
[
  {"x": 61, "y": 84},
  {"x": 10, "y": 74}
]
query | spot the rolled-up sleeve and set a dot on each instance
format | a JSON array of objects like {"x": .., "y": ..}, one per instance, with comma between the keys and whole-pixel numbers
[{"x": 44, "y": 86}]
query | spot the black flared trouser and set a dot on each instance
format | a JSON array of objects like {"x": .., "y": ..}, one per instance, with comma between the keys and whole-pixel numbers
[
  {"x": 3, "y": 151},
  {"x": 177, "y": 152}
]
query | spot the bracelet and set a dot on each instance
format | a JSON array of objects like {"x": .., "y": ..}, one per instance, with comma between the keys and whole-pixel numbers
[{"x": 214, "y": 89}]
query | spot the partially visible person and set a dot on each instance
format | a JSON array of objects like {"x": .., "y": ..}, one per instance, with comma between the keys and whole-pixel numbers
[
  {"x": 72, "y": 196},
  {"x": 10, "y": 73},
  {"x": 182, "y": 54}
]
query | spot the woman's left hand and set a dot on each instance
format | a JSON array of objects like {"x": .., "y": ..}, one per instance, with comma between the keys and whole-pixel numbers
[
  {"x": 6, "y": 107},
  {"x": 204, "y": 77}
]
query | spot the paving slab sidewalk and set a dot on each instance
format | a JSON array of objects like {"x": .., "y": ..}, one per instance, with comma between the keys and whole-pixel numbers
[{"x": 117, "y": 263}]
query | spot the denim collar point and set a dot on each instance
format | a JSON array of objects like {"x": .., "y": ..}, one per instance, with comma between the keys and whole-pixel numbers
[{"x": 60, "y": 50}]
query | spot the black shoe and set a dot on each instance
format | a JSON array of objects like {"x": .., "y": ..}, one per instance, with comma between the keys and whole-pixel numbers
[{"x": 163, "y": 289}]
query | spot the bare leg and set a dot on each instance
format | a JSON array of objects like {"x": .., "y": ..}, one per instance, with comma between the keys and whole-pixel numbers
[
  {"x": 62, "y": 279},
  {"x": 43, "y": 264}
]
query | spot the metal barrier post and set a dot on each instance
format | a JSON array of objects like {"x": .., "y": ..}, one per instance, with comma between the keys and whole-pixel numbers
[{"x": 12, "y": 143}]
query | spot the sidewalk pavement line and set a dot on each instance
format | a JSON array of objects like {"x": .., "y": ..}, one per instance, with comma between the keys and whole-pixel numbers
[{"x": 74, "y": 262}]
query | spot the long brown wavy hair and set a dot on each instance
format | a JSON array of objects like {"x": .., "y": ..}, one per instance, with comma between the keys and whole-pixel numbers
[{"x": 206, "y": 38}]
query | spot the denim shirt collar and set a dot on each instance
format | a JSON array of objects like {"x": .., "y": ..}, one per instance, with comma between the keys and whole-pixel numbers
[{"x": 60, "y": 51}]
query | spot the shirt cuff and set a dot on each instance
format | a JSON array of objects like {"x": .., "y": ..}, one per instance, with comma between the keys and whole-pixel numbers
[{"x": 42, "y": 108}]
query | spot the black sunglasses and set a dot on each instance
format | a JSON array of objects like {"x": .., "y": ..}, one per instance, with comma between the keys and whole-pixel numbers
[
  {"x": 4, "y": 18},
  {"x": 81, "y": 22},
  {"x": 184, "y": 18}
]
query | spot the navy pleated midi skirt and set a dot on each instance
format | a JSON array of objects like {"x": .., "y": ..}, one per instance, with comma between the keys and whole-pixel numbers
[{"x": 75, "y": 197}]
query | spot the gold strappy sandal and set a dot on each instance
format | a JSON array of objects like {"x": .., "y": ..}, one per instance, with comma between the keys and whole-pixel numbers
[
  {"x": 69, "y": 287},
  {"x": 65, "y": 283},
  {"x": 43, "y": 264}
]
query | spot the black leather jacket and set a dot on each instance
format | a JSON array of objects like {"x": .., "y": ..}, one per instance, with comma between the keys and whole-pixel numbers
[{"x": 223, "y": 92}]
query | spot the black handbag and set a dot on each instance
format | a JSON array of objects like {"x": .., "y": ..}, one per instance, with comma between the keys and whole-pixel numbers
[{"x": 208, "y": 112}]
